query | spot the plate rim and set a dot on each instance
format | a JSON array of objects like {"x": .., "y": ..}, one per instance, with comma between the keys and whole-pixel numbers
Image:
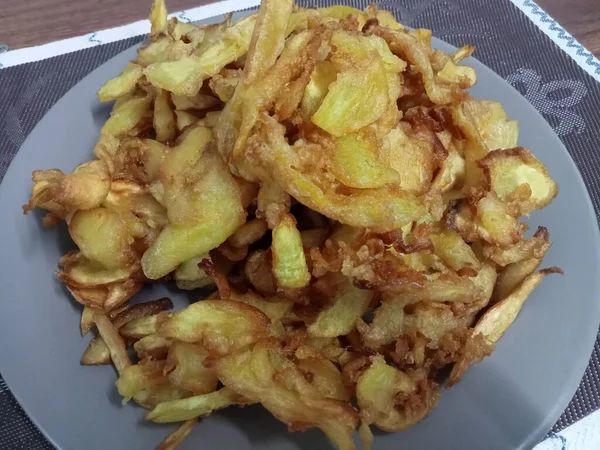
[{"x": 561, "y": 402}]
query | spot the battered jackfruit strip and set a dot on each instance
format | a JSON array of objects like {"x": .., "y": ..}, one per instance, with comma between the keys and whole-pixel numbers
[
  {"x": 122, "y": 84},
  {"x": 192, "y": 407},
  {"x": 379, "y": 208},
  {"x": 221, "y": 326},
  {"x": 173, "y": 440},
  {"x": 185, "y": 75},
  {"x": 207, "y": 217},
  {"x": 289, "y": 262}
]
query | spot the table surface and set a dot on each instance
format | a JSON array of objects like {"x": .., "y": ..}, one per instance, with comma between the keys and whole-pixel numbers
[{"x": 34, "y": 22}]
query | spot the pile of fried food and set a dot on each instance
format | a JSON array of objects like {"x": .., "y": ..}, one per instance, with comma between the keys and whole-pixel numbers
[{"x": 327, "y": 171}]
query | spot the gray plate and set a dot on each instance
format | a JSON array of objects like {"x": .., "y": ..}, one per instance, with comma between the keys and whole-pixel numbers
[{"x": 508, "y": 402}]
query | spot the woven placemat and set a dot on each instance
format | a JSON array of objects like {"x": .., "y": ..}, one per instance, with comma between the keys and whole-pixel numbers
[{"x": 506, "y": 40}]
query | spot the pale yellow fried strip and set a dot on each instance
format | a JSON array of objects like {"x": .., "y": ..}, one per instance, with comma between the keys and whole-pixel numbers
[
  {"x": 268, "y": 38},
  {"x": 289, "y": 261},
  {"x": 192, "y": 407},
  {"x": 494, "y": 323},
  {"x": 87, "y": 321},
  {"x": 178, "y": 436},
  {"x": 158, "y": 17},
  {"x": 96, "y": 353},
  {"x": 114, "y": 342}
]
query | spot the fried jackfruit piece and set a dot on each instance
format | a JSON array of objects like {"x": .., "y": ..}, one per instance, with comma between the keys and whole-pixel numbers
[
  {"x": 107, "y": 296},
  {"x": 322, "y": 76},
  {"x": 356, "y": 163},
  {"x": 289, "y": 262},
  {"x": 519, "y": 179},
  {"x": 267, "y": 43},
  {"x": 492, "y": 222},
  {"x": 447, "y": 287},
  {"x": 94, "y": 285},
  {"x": 181, "y": 168},
  {"x": 122, "y": 84},
  {"x": 184, "y": 119},
  {"x": 224, "y": 83},
  {"x": 496, "y": 130},
  {"x": 520, "y": 261},
  {"x": 147, "y": 384},
  {"x": 534, "y": 247},
  {"x": 462, "y": 75},
  {"x": 433, "y": 320},
  {"x": 191, "y": 407},
  {"x": 387, "y": 323},
  {"x": 198, "y": 102},
  {"x": 348, "y": 305},
  {"x": 96, "y": 353},
  {"x": 60, "y": 193},
  {"x": 324, "y": 375},
  {"x": 158, "y": 17},
  {"x": 357, "y": 98},
  {"x": 186, "y": 370},
  {"x": 453, "y": 251},
  {"x": 163, "y": 48},
  {"x": 410, "y": 49},
  {"x": 411, "y": 156},
  {"x": 274, "y": 308},
  {"x": 201, "y": 218},
  {"x": 248, "y": 233},
  {"x": 152, "y": 347},
  {"x": 189, "y": 275},
  {"x": 102, "y": 237},
  {"x": 188, "y": 31},
  {"x": 140, "y": 327},
  {"x": 451, "y": 173},
  {"x": 126, "y": 115},
  {"x": 382, "y": 209},
  {"x": 495, "y": 222},
  {"x": 512, "y": 276},
  {"x": 268, "y": 38},
  {"x": 496, "y": 320},
  {"x": 142, "y": 311},
  {"x": 174, "y": 439},
  {"x": 110, "y": 335},
  {"x": 221, "y": 326},
  {"x": 349, "y": 47},
  {"x": 263, "y": 374},
  {"x": 474, "y": 349},
  {"x": 474, "y": 147},
  {"x": 185, "y": 75},
  {"x": 141, "y": 213},
  {"x": 164, "y": 118},
  {"x": 376, "y": 390},
  {"x": 297, "y": 58}
]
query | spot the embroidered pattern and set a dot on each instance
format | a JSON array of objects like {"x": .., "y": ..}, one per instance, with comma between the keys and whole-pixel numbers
[
  {"x": 182, "y": 16},
  {"x": 562, "y": 34},
  {"x": 3, "y": 49},
  {"x": 553, "y": 99},
  {"x": 93, "y": 39}
]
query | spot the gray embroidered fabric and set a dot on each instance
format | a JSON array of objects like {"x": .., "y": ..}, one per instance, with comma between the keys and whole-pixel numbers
[{"x": 506, "y": 40}]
